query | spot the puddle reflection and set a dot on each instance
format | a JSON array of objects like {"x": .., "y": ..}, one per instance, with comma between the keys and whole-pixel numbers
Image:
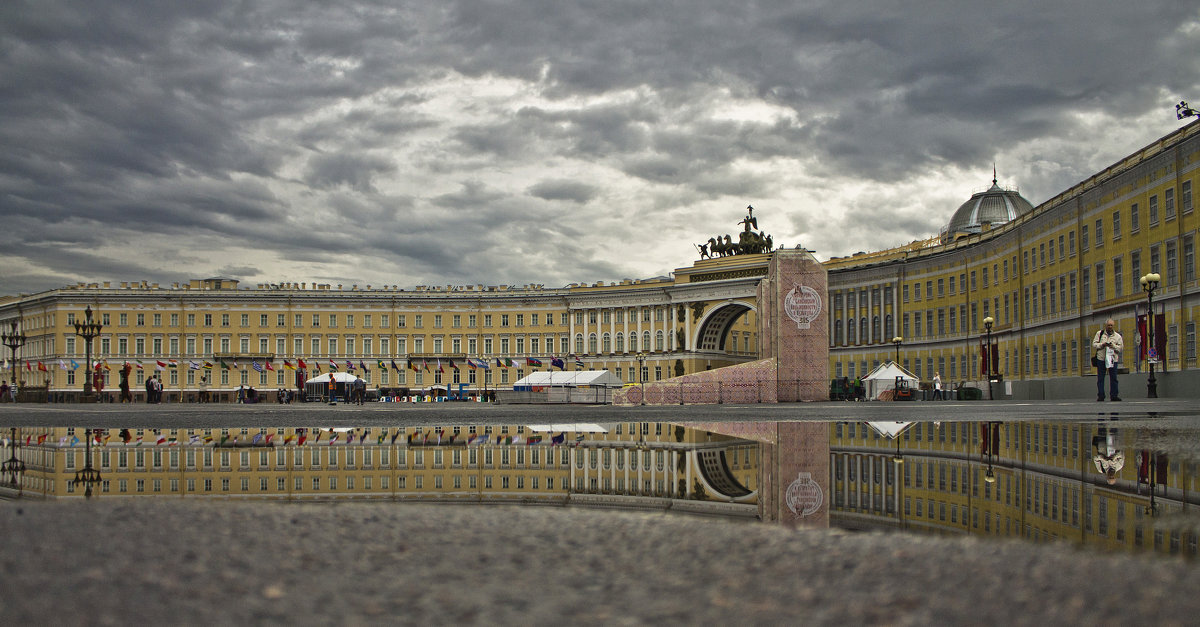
[{"x": 1104, "y": 484}]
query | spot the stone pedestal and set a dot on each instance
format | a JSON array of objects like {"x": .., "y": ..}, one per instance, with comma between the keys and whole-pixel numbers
[{"x": 793, "y": 325}]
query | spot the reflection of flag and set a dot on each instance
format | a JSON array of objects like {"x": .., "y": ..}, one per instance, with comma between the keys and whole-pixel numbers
[{"x": 559, "y": 439}]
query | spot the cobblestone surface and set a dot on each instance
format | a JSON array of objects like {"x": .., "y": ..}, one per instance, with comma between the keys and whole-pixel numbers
[{"x": 112, "y": 562}]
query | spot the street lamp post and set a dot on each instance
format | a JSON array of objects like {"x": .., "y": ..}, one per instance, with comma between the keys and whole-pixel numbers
[
  {"x": 14, "y": 467},
  {"x": 641, "y": 358},
  {"x": 897, "y": 341},
  {"x": 1149, "y": 284},
  {"x": 987, "y": 360},
  {"x": 88, "y": 330},
  {"x": 14, "y": 341},
  {"x": 88, "y": 476}
]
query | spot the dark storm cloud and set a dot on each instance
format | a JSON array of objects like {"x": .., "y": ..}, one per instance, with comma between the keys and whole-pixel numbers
[
  {"x": 573, "y": 191},
  {"x": 443, "y": 138}
]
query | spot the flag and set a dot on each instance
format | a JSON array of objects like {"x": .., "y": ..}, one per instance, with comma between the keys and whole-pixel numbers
[
  {"x": 471, "y": 364},
  {"x": 453, "y": 366},
  {"x": 62, "y": 365},
  {"x": 425, "y": 365},
  {"x": 74, "y": 365},
  {"x": 508, "y": 363},
  {"x": 160, "y": 365},
  {"x": 559, "y": 439},
  {"x": 235, "y": 367},
  {"x": 287, "y": 365},
  {"x": 394, "y": 365},
  {"x": 224, "y": 366},
  {"x": 208, "y": 365},
  {"x": 516, "y": 363},
  {"x": 194, "y": 366},
  {"x": 413, "y": 366},
  {"x": 578, "y": 363},
  {"x": 300, "y": 364},
  {"x": 269, "y": 366},
  {"x": 174, "y": 364},
  {"x": 536, "y": 363},
  {"x": 558, "y": 363},
  {"x": 41, "y": 367},
  {"x": 161, "y": 439},
  {"x": 139, "y": 364},
  {"x": 258, "y": 438},
  {"x": 439, "y": 365},
  {"x": 382, "y": 366},
  {"x": 257, "y": 366},
  {"x": 363, "y": 366},
  {"x": 349, "y": 366},
  {"x": 333, "y": 365}
]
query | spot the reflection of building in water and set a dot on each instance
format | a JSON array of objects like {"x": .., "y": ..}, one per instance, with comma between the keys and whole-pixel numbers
[
  {"x": 640, "y": 465},
  {"x": 1046, "y": 484}
]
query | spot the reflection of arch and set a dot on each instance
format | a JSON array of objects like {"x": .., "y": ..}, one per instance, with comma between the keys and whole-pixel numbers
[
  {"x": 714, "y": 327},
  {"x": 714, "y": 467}
]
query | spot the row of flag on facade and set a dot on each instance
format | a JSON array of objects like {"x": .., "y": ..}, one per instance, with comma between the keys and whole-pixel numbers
[
  {"x": 300, "y": 437},
  {"x": 300, "y": 364}
]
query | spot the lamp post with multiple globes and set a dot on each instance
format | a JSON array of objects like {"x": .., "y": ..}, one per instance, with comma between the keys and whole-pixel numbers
[
  {"x": 1149, "y": 284},
  {"x": 14, "y": 340},
  {"x": 88, "y": 330},
  {"x": 987, "y": 359}
]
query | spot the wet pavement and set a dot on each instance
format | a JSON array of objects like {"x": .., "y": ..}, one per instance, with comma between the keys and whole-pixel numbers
[
  {"x": 944, "y": 512},
  {"x": 215, "y": 415},
  {"x": 353, "y": 563}
]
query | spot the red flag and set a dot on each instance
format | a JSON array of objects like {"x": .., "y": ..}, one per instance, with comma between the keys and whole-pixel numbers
[
  {"x": 41, "y": 367},
  {"x": 303, "y": 365}
]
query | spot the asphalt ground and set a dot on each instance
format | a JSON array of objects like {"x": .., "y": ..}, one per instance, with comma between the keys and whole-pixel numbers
[
  {"x": 114, "y": 563},
  {"x": 195, "y": 415}
]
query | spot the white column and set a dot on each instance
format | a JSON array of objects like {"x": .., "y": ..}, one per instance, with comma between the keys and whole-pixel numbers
[
  {"x": 687, "y": 482},
  {"x": 625, "y": 452},
  {"x": 687, "y": 330}
]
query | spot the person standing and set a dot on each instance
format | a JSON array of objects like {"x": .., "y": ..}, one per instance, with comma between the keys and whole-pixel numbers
[
  {"x": 1108, "y": 345},
  {"x": 203, "y": 388},
  {"x": 150, "y": 389},
  {"x": 937, "y": 387}
]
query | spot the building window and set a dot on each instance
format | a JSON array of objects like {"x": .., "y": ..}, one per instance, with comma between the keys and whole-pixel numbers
[
  {"x": 1154, "y": 211},
  {"x": 1116, "y": 225}
]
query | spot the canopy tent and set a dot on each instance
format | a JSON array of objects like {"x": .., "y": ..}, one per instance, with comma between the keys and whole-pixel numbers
[
  {"x": 883, "y": 378},
  {"x": 568, "y": 378}
]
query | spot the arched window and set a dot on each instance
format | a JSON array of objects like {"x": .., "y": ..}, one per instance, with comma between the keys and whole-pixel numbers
[
  {"x": 658, "y": 341},
  {"x": 646, "y": 339},
  {"x": 607, "y": 343},
  {"x": 837, "y": 333},
  {"x": 633, "y": 343},
  {"x": 620, "y": 343},
  {"x": 578, "y": 343},
  {"x": 889, "y": 329},
  {"x": 875, "y": 328},
  {"x": 862, "y": 330},
  {"x": 592, "y": 343},
  {"x": 850, "y": 332}
]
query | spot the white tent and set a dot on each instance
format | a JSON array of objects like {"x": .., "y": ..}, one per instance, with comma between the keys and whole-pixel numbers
[
  {"x": 883, "y": 378},
  {"x": 568, "y": 378}
]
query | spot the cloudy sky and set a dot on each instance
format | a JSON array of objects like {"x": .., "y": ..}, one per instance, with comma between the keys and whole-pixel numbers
[{"x": 544, "y": 141}]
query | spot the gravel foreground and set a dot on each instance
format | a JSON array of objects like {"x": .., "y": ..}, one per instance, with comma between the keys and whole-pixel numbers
[{"x": 109, "y": 562}]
